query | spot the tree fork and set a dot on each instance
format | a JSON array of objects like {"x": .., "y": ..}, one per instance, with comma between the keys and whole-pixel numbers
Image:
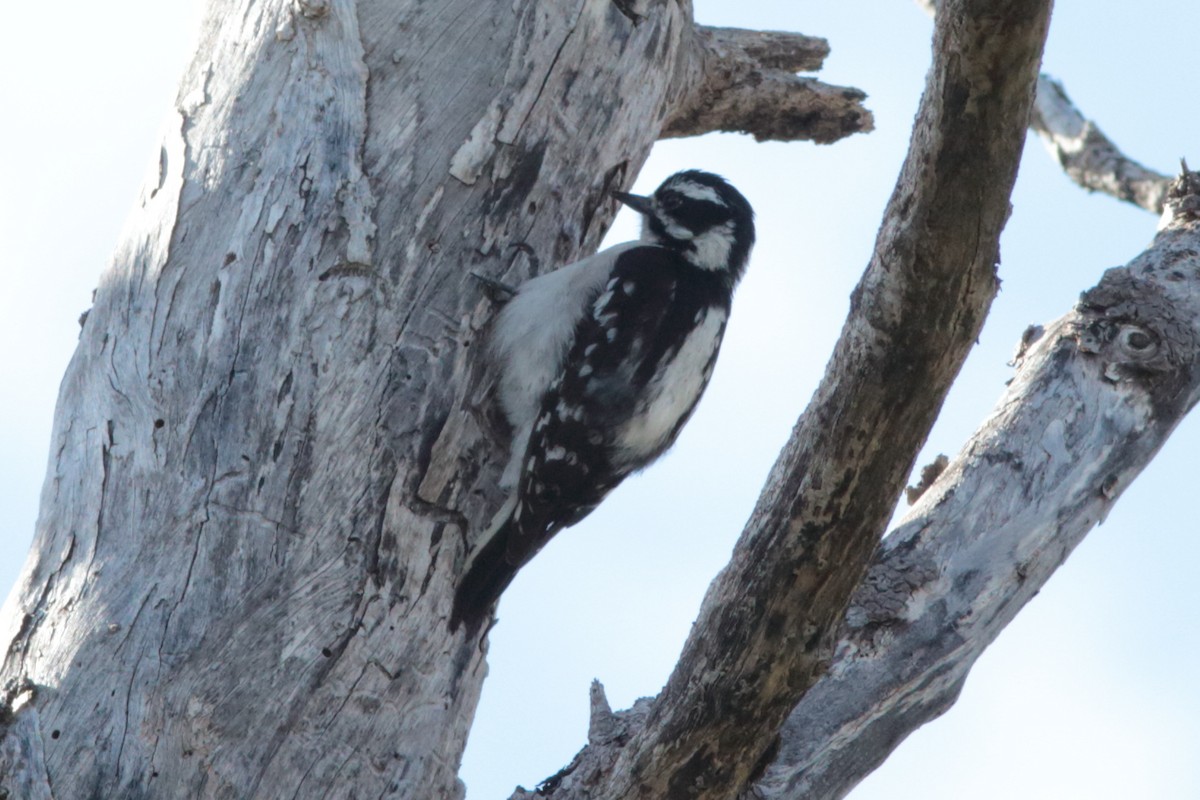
[
  {"x": 1095, "y": 396},
  {"x": 767, "y": 628}
]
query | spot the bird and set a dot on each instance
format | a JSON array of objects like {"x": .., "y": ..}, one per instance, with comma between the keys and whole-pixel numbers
[{"x": 600, "y": 364}]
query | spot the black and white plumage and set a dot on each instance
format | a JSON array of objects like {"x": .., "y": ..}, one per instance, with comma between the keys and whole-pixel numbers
[{"x": 601, "y": 364}]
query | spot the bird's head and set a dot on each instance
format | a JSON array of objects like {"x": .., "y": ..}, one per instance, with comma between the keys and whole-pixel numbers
[{"x": 701, "y": 215}]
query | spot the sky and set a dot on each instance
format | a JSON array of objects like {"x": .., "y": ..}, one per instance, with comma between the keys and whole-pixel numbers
[{"x": 1091, "y": 692}]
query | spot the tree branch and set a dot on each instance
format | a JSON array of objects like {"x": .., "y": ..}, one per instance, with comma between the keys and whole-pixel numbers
[
  {"x": 767, "y": 627},
  {"x": 784, "y": 50},
  {"x": 744, "y": 81},
  {"x": 1088, "y": 156},
  {"x": 1094, "y": 398}
]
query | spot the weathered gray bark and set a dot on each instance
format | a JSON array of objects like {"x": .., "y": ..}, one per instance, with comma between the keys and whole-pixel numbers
[
  {"x": 1095, "y": 396},
  {"x": 767, "y": 628},
  {"x": 1088, "y": 156},
  {"x": 255, "y": 513},
  {"x": 273, "y": 447}
]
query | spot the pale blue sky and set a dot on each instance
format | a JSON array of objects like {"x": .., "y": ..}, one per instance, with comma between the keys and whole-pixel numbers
[{"x": 1091, "y": 693}]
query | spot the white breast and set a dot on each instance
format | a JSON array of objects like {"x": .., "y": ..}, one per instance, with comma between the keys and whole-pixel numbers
[
  {"x": 672, "y": 392},
  {"x": 533, "y": 333}
]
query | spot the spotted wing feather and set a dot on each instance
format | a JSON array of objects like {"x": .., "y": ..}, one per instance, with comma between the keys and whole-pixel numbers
[{"x": 636, "y": 328}]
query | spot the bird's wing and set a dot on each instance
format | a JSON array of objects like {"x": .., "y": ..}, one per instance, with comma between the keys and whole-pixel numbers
[{"x": 641, "y": 317}]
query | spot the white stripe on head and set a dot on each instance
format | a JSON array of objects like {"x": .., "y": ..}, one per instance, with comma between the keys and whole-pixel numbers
[{"x": 697, "y": 191}]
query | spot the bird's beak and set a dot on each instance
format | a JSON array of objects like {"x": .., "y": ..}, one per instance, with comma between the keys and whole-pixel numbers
[{"x": 637, "y": 202}]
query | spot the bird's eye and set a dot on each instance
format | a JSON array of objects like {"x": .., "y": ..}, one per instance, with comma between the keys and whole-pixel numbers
[{"x": 670, "y": 202}]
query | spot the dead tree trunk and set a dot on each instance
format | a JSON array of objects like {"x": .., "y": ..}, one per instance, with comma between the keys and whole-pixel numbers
[
  {"x": 273, "y": 447},
  {"x": 255, "y": 511}
]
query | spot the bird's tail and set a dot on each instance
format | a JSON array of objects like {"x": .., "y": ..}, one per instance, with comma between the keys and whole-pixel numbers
[{"x": 488, "y": 574}]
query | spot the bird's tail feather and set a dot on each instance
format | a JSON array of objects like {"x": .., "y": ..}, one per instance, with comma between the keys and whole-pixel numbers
[{"x": 488, "y": 573}]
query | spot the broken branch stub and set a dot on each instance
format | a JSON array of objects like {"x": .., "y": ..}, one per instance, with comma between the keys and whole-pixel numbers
[{"x": 744, "y": 81}]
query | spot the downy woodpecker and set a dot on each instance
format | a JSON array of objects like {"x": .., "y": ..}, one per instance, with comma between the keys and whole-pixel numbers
[{"x": 601, "y": 364}]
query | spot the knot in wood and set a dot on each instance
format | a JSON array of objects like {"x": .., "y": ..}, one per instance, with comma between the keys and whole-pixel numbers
[
  {"x": 313, "y": 9},
  {"x": 1135, "y": 327},
  {"x": 888, "y": 588},
  {"x": 633, "y": 10}
]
